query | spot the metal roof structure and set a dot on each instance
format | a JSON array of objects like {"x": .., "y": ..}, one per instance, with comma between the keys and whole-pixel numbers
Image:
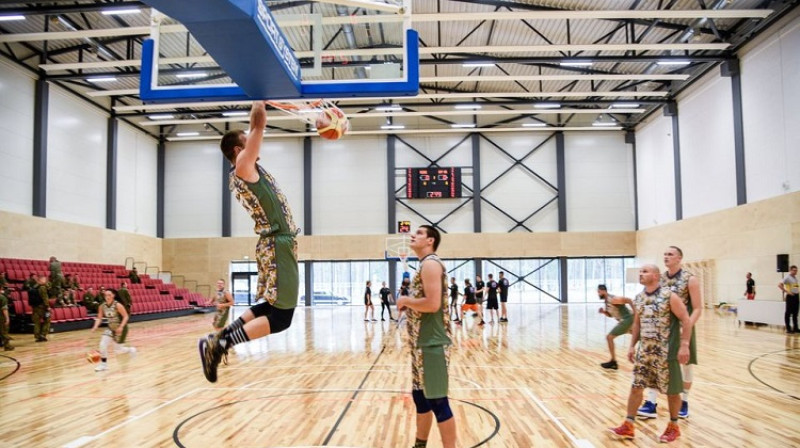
[{"x": 500, "y": 65}]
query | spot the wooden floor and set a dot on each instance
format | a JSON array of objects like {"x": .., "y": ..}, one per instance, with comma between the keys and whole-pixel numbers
[{"x": 334, "y": 380}]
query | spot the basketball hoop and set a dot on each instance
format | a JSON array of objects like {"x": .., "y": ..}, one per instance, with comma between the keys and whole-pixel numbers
[{"x": 399, "y": 248}]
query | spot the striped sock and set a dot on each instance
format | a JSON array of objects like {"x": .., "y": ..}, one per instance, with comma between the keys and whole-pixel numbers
[
  {"x": 238, "y": 323},
  {"x": 233, "y": 337}
]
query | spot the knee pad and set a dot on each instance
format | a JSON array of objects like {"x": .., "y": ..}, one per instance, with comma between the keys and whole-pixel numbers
[
  {"x": 423, "y": 407},
  {"x": 688, "y": 373},
  {"x": 441, "y": 409}
]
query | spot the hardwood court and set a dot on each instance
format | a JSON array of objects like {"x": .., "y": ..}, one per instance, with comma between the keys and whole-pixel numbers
[{"x": 335, "y": 380}]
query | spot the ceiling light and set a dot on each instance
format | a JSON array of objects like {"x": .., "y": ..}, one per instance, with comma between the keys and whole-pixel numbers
[
  {"x": 625, "y": 105},
  {"x": 462, "y": 125},
  {"x": 673, "y": 62},
  {"x": 393, "y": 126},
  {"x": 187, "y": 134},
  {"x": 605, "y": 123},
  {"x": 161, "y": 117},
  {"x": 467, "y": 106},
  {"x": 192, "y": 75},
  {"x": 388, "y": 108},
  {"x": 576, "y": 64},
  {"x": 477, "y": 64},
  {"x": 114, "y": 12},
  {"x": 10, "y": 18},
  {"x": 546, "y": 105},
  {"x": 534, "y": 125},
  {"x": 235, "y": 113},
  {"x": 102, "y": 79}
]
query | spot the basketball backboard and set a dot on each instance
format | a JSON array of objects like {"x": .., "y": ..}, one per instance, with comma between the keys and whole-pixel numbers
[{"x": 319, "y": 51}]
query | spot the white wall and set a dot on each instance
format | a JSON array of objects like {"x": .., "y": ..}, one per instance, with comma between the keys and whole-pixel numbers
[
  {"x": 655, "y": 173},
  {"x": 349, "y": 186},
  {"x": 518, "y": 192},
  {"x": 193, "y": 191},
  {"x": 137, "y": 165},
  {"x": 283, "y": 158},
  {"x": 16, "y": 135},
  {"x": 708, "y": 166},
  {"x": 771, "y": 103},
  {"x": 76, "y": 160},
  {"x": 599, "y": 181}
]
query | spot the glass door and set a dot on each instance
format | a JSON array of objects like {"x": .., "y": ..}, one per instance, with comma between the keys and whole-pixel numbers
[{"x": 245, "y": 287}]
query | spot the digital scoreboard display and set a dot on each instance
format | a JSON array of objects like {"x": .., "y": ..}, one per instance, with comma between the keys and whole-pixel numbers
[{"x": 433, "y": 183}]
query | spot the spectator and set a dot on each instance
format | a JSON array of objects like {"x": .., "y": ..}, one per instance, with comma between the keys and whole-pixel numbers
[
  {"x": 56, "y": 277},
  {"x": 38, "y": 299},
  {"x": 31, "y": 282},
  {"x": 125, "y": 299},
  {"x": 134, "y": 276},
  {"x": 3, "y": 281},
  {"x": 90, "y": 300},
  {"x": 5, "y": 321}
]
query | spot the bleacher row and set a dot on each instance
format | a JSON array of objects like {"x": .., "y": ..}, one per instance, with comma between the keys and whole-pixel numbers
[{"x": 152, "y": 295}]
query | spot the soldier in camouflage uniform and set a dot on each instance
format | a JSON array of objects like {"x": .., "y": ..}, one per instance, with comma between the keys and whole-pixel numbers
[
  {"x": 39, "y": 300},
  {"x": 56, "y": 277},
  {"x": 125, "y": 299},
  {"x": 5, "y": 321},
  {"x": 90, "y": 300}
]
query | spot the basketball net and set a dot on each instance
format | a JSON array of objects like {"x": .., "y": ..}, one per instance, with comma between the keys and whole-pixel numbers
[{"x": 306, "y": 110}]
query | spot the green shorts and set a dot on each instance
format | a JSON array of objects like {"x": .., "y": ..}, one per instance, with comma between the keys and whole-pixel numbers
[
  {"x": 675, "y": 386},
  {"x": 221, "y": 318},
  {"x": 622, "y": 327},
  {"x": 429, "y": 371}
]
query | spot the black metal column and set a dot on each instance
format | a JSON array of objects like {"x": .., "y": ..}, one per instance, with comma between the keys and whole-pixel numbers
[
  {"x": 307, "y": 230},
  {"x": 111, "y": 171},
  {"x": 731, "y": 69},
  {"x": 309, "y": 281},
  {"x": 563, "y": 276},
  {"x": 476, "y": 182},
  {"x": 40, "y": 111},
  {"x": 160, "y": 170},
  {"x": 671, "y": 110},
  {"x": 561, "y": 170},
  {"x": 391, "y": 149},
  {"x": 226, "y": 197},
  {"x": 630, "y": 138}
]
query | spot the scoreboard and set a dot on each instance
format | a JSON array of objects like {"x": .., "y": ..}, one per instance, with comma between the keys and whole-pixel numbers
[{"x": 433, "y": 183}]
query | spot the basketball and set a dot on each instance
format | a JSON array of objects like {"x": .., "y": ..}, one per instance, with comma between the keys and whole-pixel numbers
[
  {"x": 93, "y": 356},
  {"x": 332, "y": 123}
]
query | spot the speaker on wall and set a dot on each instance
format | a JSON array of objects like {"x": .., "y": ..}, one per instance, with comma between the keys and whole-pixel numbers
[{"x": 783, "y": 262}]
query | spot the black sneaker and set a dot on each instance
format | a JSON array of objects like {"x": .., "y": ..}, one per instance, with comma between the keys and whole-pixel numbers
[
  {"x": 609, "y": 365},
  {"x": 211, "y": 353}
]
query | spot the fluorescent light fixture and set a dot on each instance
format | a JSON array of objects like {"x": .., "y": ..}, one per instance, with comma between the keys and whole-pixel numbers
[
  {"x": 604, "y": 123},
  {"x": 235, "y": 113},
  {"x": 10, "y": 18},
  {"x": 192, "y": 75},
  {"x": 477, "y": 64},
  {"x": 465, "y": 125},
  {"x": 546, "y": 106},
  {"x": 161, "y": 117},
  {"x": 388, "y": 108},
  {"x": 102, "y": 79},
  {"x": 625, "y": 105},
  {"x": 534, "y": 125},
  {"x": 393, "y": 126},
  {"x": 673, "y": 62},
  {"x": 187, "y": 134},
  {"x": 576, "y": 64},
  {"x": 467, "y": 106},
  {"x": 114, "y": 12}
]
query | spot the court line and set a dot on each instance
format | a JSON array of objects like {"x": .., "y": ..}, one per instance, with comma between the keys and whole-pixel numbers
[
  {"x": 579, "y": 443},
  {"x": 86, "y": 439}
]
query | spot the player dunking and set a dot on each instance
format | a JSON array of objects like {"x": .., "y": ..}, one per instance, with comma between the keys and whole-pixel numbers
[
  {"x": 429, "y": 337},
  {"x": 276, "y": 250}
]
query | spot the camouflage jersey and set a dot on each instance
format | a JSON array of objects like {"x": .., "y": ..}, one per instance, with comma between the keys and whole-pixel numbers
[
  {"x": 429, "y": 329},
  {"x": 265, "y": 203},
  {"x": 111, "y": 314},
  {"x": 679, "y": 284},
  {"x": 618, "y": 312},
  {"x": 655, "y": 321}
]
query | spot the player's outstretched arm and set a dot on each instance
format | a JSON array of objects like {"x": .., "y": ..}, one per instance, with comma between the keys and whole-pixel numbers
[{"x": 246, "y": 160}]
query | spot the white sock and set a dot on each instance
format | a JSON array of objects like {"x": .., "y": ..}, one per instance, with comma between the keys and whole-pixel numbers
[
  {"x": 652, "y": 395},
  {"x": 685, "y": 395}
]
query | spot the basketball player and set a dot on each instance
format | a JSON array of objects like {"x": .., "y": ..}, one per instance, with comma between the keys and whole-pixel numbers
[
  {"x": 453, "y": 310},
  {"x": 429, "y": 339},
  {"x": 663, "y": 346},
  {"x": 385, "y": 293},
  {"x": 790, "y": 287},
  {"x": 615, "y": 308},
  {"x": 117, "y": 319},
  {"x": 687, "y": 287},
  {"x": 470, "y": 303},
  {"x": 223, "y": 301},
  {"x": 368, "y": 302},
  {"x": 276, "y": 250},
  {"x": 750, "y": 287},
  {"x": 491, "y": 299},
  {"x": 480, "y": 288},
  {"x": 503, "y": 296}
]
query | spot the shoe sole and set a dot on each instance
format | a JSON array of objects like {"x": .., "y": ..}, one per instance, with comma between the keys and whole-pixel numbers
[
  {"x": 683, "y": 416},
  {"x": 643, "y": 416},
  {"x": 201, "y": 347},
  {"x": 618, "y": 436}
]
